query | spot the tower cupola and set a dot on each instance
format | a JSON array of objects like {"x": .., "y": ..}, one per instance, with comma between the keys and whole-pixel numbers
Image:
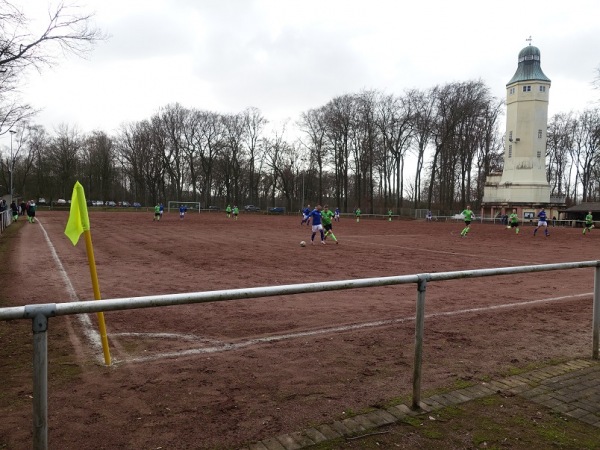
[{"x": 529, "y": 67}]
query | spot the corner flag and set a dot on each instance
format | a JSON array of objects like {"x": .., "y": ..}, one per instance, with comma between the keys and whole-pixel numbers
[
  {"x": 79, "y": 223},
  {"x": 79, "y": 220}
]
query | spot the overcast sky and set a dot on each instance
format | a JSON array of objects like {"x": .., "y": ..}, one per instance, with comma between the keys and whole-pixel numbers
[{"x": 287, "y": 56}]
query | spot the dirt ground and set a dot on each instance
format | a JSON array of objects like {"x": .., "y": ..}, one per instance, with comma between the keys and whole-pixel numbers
[{"x": 221, "y": 375}]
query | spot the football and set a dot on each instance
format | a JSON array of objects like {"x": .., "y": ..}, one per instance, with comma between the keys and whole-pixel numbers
[{"x": 302, "y": 244}]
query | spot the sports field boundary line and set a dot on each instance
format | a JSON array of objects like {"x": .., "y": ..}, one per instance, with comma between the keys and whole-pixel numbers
[
  {"x": 225, "y": 347},
  {"x": 88, "y": 329}
]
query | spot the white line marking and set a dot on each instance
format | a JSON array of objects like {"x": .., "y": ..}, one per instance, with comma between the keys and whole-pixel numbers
[
  {"x": 236, "y": 346},
  {"x": 90, "y": 333}
]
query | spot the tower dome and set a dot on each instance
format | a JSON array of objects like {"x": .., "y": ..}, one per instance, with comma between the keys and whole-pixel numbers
[{"x": 529, "y": 67}]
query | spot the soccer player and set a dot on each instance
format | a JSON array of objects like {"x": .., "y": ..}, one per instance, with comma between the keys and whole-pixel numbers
[
  {"x": 15, "y": 211},
  {"x": 315, "y": 214},
  {"x": 542, "y": 222},
  {"x": 306, "y": 216},
  {"x": 156, "y": 213},
  {"x": 469, "y": 216},
  {"x": 228, "y": 211},
  {"x": 235, "y": 212},
  {"x": 513, "y": 221},
  {"x": 589, "y": 222},
  {"x": 182, "y": 210},
  {"x": 326, "y": 217},
  {"x": 31, "y": 212},
  {"x": 336, "y": 216},
  {"x": 357, "y": 214},
  {"x": 161, "y": 210},
  {"x": 390, "y": 215}
]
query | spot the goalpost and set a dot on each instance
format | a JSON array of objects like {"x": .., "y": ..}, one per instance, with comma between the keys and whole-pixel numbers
[{"x": 191, "y": 206}]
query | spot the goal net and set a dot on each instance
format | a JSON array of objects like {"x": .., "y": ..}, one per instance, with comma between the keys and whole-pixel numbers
[{"x": 191, "y": 206}]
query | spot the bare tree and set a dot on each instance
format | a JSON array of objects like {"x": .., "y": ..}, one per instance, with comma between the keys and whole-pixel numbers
[
  {"x": 423, "y": 105},
  {"x": 21, "y": 47},
  {"x": 560, "y": 142},
  {"x": 341, "y": 114},
  {"x": 313, "y": 124},
  {"x": 254, "y": 123},
  {"x": 64, "y": 159},
  {"x": 234, "y": 131}
]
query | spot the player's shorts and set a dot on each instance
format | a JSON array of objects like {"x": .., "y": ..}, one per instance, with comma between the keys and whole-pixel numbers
[
  {"x": 467, "y": 222},
  {"x": 304, "y": 216},
  {"x": 316, "y": 228},
  {"x": 157, "y": 214},
  {"x": 542, "y": 223},
  {"x": 513, "y": 224},
  {"x": 328, "y": 227},
  {"x": 589, "y": 225}
]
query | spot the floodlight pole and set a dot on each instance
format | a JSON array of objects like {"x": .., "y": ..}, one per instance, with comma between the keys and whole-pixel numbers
[{"x": 12, "y": 164}]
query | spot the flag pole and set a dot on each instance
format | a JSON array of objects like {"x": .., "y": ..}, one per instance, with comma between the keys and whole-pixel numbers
[
  {"x": 78, "y": 224},
  {"x": 96, "y": 286}
]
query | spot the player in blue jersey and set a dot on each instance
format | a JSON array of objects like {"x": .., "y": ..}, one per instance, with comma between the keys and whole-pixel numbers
[
  {"x": 542, "y": 222},
  {"x": 336, "y": 215},
  {"x": 182, "y": 210},
  {"x": 306, "y": 216},
  {"x": 315, "y": 215}
]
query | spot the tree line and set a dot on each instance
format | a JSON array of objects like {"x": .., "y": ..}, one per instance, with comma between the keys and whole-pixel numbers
[{"x": 351, "y": 152}]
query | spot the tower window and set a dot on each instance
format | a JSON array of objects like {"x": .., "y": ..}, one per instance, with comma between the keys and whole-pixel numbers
[
  {"x": 510, "y": 136},
  {"x": 526, "y": 88},
  {"x": 539, "y": 154},
  {"x": 539, "y": 134},
  {"x": 510, "y": 151},
  {"x": 542, "y": 88},
  {"x": 511, "y": 91}
]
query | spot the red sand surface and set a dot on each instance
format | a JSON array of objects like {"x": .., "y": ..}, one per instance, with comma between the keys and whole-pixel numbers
[{"x": 261, "y": 367}]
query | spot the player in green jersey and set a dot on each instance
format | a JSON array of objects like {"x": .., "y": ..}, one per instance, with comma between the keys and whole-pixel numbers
[
  {"x": 235, "y": 212},
  {"x": 513, "y": 221},
  {"x": 469, "y": 216},
  {"x": 589, "y": 222},
  {"x": 390, "y": 212},
  {"x": 228, "y": 211},
  {"x": 357, "y": 214},
  {"x": 326, "y": 217},
  {"x": 156, "y": 212}
]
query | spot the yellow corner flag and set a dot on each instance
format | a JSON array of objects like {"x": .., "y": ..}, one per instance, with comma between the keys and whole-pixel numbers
[
  {"x": 79, "y": 223},
  {"x": 79, "y": 220}
]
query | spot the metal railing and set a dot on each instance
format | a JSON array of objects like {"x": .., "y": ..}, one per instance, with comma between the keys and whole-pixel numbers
[
  {"x": 5, "y": 219},
  {"x": 40, "y": 313}
]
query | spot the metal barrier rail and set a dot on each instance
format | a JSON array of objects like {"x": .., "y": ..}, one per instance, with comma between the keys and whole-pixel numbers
[
  {"x": 5, "y": 219},
  {"x": 40, "y": 313}
]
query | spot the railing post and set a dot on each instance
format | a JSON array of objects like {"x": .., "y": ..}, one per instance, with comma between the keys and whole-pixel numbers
[
  {"x": 39, "y": 315},
  {"x": 596, "y": 314},
  {"x": 419, "y": 331},
  {"x": 40, "y": 382}
]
